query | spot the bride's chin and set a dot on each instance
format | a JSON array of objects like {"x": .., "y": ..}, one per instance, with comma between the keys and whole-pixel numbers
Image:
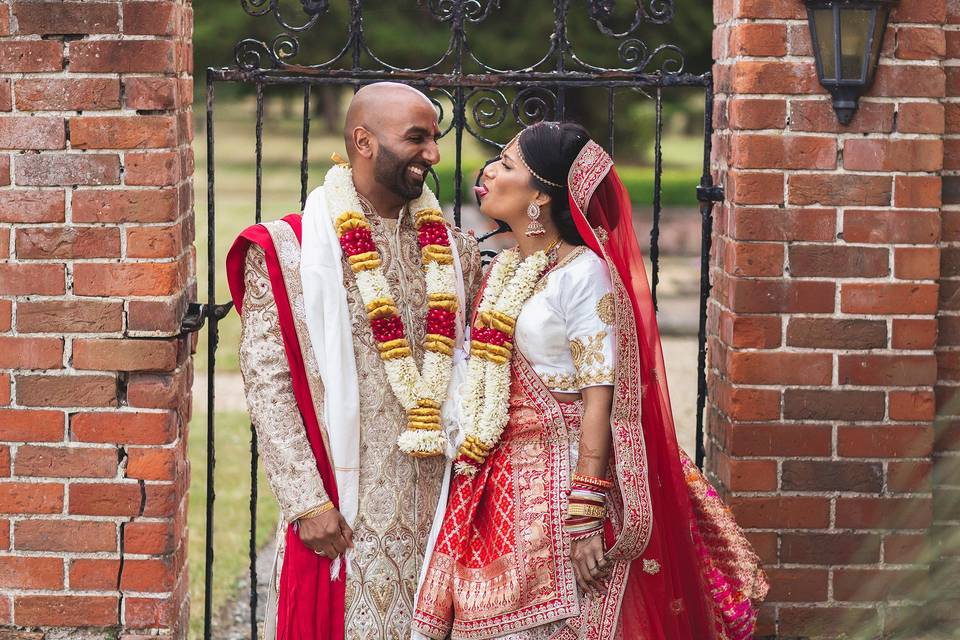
[{"x": 485, "y": 213}]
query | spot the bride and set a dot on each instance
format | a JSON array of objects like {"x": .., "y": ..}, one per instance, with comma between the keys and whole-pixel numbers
[{"x": 573, "y": 513}]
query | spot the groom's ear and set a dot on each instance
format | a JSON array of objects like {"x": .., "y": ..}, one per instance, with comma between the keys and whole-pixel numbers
[{"x": 365, "y": 142}]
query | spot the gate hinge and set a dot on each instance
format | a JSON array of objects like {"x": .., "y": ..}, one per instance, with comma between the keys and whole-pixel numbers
[
  {"x": 710, "y": 194},
  {"x": 197, "y": 314}
]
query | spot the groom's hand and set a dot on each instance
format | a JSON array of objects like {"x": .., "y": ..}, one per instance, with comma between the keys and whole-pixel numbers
[{"x": 327, "y": 533}]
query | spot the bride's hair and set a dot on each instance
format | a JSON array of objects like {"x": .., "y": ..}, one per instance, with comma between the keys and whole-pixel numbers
[{"x": 549, "y": 149}]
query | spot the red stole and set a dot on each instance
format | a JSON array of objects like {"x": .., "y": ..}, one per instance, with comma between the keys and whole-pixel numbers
[{"x": 311, "y": 604}]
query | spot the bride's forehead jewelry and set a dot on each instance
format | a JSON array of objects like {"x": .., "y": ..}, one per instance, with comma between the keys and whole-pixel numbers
[{"x": 516, "y": 144}]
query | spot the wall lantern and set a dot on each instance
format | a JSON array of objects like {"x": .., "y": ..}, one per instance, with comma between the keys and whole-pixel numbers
[{"x": 847, "y": 37}]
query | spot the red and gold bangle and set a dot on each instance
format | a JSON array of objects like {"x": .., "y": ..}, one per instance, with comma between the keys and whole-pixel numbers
[
  {"x": 586, "y": 510},
  {"x": 598, "y": 483},
  {"x": 582, "y": 497}
]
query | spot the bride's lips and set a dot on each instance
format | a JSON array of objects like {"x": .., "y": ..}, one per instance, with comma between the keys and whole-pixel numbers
[{"x": 481, "y": 191}]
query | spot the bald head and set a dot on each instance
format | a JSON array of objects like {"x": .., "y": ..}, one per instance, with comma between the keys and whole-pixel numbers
[
  {"x": 391, "y": 135},
  {"x": 384, "y": 107}
]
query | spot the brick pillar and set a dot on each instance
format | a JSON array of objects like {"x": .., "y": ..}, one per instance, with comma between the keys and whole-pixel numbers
[
  {"x": 823, "y": 319},
  {"x": 96, "y": 263},
  {"x": 946, "y": 490}
]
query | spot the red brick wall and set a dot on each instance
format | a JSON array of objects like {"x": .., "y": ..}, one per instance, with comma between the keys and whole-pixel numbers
[
  {"x": 823, "y": 323},
  {"x": 946, "y": 490},
  {"x": 96, "y": 264}
]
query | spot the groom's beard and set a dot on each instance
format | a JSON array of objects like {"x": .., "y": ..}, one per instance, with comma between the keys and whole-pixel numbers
[{"x": 390, "y": 171}]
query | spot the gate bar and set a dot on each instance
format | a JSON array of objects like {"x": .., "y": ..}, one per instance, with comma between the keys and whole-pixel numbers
[
  {"x": 657, "y": 202},
  {"x": 211, "y": 365},
  {"x": 517, "y": 79},
  {"x": 707, "y": 193},
  {"x": 304, "y": 158},
  {"x": 254, "y": 453}
]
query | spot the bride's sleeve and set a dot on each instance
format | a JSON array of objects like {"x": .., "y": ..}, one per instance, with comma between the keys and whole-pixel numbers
[{"x": 589, "y": 316}]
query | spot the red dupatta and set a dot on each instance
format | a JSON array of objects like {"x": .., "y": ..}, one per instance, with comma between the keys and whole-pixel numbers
[
  {"x": 311, "y": 604},
  {"x": 706, "y": 579}
]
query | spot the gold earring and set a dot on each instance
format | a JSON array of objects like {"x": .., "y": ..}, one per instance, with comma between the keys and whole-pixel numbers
[{"x": 534, "y": 228}]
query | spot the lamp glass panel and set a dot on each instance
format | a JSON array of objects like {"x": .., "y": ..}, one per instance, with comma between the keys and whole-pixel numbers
[
  {"x": 854, "y": 34},
  {"x": 823, "y": 25}
]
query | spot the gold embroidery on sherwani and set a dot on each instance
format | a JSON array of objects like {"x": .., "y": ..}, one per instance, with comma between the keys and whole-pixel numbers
[
  {"x": 288, "y": 253},
  {"x": 397, "y": 494},
  {"x": 281, "y": 437},
  {"x": 388, "y": 533},
  {"x": 282, "y": 442}
]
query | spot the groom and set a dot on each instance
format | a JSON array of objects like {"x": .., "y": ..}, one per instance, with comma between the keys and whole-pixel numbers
[{"x": 350, "y": 317}]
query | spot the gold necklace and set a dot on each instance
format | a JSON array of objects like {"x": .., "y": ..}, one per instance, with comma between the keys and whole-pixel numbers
[{"x": 553, "y": 251}]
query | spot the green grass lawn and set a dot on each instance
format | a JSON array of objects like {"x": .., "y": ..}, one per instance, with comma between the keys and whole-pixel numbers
[{"x": 231, "y": 510}]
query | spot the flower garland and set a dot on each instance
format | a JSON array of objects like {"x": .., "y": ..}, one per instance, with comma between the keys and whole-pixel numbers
[
  {"x": 486, "y": 409},
  {"x": 421, "y": 395}
]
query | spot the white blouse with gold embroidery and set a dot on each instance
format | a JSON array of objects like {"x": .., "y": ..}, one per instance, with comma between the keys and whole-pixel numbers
[{"x": 566, "y": 328}]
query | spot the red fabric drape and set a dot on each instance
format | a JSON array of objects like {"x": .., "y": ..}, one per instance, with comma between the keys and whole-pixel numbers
[
  {"x": 672, "y": 603},
  {"x": 311, "y": 604}
]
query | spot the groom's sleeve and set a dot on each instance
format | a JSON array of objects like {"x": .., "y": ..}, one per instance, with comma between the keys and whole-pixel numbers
[{"x": 281, "y": 436}]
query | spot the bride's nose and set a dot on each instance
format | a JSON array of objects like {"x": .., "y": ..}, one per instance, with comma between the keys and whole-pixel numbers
[{"x": 489, "y": 171}]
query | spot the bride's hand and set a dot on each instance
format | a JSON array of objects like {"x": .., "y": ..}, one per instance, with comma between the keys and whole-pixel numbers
[{"x": 589, "y": 564}]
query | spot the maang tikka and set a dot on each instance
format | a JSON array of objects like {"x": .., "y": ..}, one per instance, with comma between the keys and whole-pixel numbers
[{"x": 535, "y": 228}]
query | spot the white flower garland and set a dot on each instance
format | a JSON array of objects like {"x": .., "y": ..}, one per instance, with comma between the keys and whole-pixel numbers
[
  {"x": 420, "y": 394},
  {"x": 486, "y": 407}
]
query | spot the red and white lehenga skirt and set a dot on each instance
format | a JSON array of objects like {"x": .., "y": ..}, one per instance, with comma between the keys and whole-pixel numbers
[
  {"x": 501, "y": 565},
  {"x": 502, "y": 559}
]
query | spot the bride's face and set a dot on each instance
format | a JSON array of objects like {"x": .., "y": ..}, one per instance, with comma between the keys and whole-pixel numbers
[{"x": 506, "y": 190}]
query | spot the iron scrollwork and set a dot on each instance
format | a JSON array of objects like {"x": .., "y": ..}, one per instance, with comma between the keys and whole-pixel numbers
[
  {"x": 315, "y": 7},
  {"x": 281, "y": 52}
]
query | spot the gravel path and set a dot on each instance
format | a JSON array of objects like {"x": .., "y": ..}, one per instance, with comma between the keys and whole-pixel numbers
[{"x": 232, "y": 621}]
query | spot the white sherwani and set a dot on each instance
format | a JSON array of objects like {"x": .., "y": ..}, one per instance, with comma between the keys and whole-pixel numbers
[{"x": 398, "y": 494}]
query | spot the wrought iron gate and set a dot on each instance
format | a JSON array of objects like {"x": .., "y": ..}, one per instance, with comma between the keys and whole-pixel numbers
[{"x": 473, "y": 98}]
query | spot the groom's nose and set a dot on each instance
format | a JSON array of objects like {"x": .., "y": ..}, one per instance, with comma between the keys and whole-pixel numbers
[{"x": 432, "y": 152}]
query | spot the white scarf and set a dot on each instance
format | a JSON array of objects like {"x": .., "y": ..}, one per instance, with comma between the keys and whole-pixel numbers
[{"x": 331, "y": 336}]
